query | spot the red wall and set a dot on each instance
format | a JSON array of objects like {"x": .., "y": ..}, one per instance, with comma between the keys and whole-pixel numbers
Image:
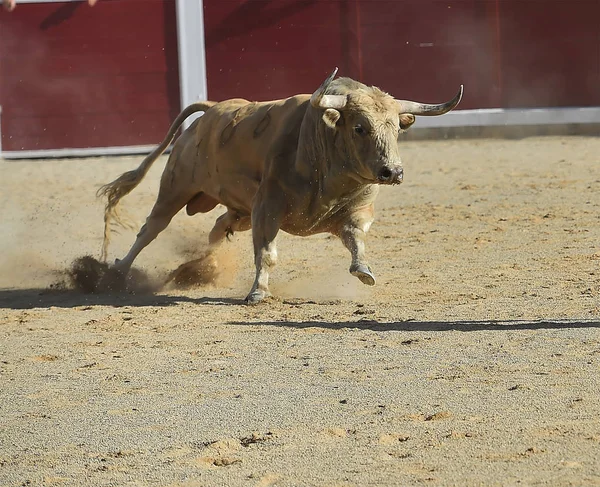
[
  {"x": 76, "y": 76},
  {"x": 271, "y": 49},
  {"x": 508, "y": 53},
  {"x": 550, "y": 54}
]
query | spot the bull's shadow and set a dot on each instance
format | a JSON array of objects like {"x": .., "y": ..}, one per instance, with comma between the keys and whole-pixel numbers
[
  {"x": 46, "y": 298},
  {"x": 431, "y": 326}
]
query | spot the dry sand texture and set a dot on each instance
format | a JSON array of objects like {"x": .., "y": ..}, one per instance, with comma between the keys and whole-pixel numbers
[{"x": 475, "y": 360}]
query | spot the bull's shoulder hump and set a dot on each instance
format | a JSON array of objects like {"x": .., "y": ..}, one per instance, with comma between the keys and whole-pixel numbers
[
  {"x": 291, "y": 105},
  {"x": 297, "y": 99},
  {"x": 291, "y": 100},
  {"x": 231, "y": 103},
  {"x": 235, "y": 103}
]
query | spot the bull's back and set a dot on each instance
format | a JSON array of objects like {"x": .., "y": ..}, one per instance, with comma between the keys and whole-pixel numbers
[
  {"x": 235, "y": 139},
  {"x": 252, "y": 127}
]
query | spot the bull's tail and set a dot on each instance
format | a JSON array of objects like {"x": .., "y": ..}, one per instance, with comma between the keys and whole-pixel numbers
[{"x": 126, "y": 182}]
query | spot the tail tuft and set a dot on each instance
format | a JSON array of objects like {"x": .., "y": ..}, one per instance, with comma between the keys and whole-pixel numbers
[
  {"x": 114, "y": 192},
  {"x": 125, "y": 183}
]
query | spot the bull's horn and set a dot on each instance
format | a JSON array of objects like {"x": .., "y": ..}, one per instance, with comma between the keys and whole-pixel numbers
[
  {"x": 417, "y": 108},
  {"x": 320, "y": 100}
]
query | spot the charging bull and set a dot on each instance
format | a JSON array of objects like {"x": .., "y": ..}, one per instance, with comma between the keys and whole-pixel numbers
[{"x": 306, "y": 164}]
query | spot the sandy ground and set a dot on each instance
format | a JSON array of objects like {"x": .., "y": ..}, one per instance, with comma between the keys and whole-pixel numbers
[{"x": 475, "y": 360}]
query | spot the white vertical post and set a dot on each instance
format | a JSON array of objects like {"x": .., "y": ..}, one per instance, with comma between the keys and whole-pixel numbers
[
  {"x": 0, "y": 130},
  {"x": 192, "y": 56}
]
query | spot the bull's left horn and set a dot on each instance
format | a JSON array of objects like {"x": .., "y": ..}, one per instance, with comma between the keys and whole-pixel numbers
[
  {"x": 320, "y": 100},
  {"x": 417, "y": 108}
]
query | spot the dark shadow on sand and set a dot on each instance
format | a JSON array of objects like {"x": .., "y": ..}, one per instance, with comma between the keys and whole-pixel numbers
[
  {"x": 464, "y": 326},
  {"x": 46, "y": 298}
]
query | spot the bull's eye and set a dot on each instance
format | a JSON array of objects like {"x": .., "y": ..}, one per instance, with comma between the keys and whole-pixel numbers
[{"x": 360, "y": 130}]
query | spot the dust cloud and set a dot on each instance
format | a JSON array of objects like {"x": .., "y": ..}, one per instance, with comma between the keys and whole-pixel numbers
[
  {"x": 25, "y": 269},
  {"x": 89, "y": 275}
]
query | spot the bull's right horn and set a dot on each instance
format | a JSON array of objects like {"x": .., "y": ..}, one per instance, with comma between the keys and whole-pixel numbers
[
  {"x": 320, "y": 100},
  {"x": 416, "y": 108}
]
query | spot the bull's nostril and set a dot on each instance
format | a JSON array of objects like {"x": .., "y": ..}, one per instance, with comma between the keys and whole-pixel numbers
[{"x": 385, "y": 174}]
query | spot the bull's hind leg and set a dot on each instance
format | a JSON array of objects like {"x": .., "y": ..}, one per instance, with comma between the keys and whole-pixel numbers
[
  {"x": 166, "y": 207},
  {"x": 205, "y": 269},
  {"x": 226, "y": 225}
]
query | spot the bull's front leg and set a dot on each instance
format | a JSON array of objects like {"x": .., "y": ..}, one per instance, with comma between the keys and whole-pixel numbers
[
  {"x": 352, "y": 234},
  {"x": 266, "y": 222}
]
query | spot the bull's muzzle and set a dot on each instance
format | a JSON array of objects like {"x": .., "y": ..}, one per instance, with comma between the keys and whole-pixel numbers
[{"x": 390, "y": 175}]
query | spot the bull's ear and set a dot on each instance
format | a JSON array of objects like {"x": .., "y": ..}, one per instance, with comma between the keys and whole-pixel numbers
[
  {"x": 331, "y": 117},
  {"x": 406, "y": 120}
]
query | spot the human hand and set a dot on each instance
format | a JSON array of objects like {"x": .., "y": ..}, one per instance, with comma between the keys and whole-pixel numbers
[{"x": 9, "y": 5}]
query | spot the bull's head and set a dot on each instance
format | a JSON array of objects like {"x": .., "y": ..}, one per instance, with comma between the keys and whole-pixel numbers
[{"x": 368, "y": 122}]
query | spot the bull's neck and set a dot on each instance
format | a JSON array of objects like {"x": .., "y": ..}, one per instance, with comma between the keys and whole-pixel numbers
[{"x": 320, "y": 164}]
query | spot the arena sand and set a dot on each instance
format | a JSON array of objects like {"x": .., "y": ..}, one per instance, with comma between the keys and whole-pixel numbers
[{"x": 475, "y": 360}]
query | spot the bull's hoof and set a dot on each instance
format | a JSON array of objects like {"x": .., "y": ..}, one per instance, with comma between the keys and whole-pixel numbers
[
  {"x": 257, "y": 296},
  {"x": 119, "y": 267},
  {"x": 363, "y": 272}
]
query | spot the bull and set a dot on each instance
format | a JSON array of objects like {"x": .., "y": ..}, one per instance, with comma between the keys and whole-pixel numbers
[{"x": 306, "y": 164}]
